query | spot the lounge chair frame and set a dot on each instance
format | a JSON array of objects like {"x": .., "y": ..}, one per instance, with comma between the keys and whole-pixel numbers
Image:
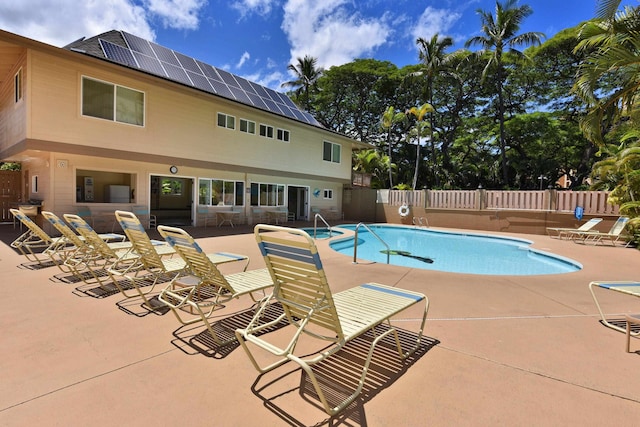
[
  {"x": 625, "y": 287},
  {"x": 561, "y": 232},
  {"x": 206, "y": 289},
  {"x": 302, "y": 289},
  {"x": 613, "y": 236},
  {"x": 119, "y": 254},
  {"x": 35, "y": 241}
]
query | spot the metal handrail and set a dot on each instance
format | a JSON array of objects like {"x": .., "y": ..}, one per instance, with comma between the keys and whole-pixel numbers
[
  {"x": 355, "y": 241},
  {"x": 315, "y": 224}
]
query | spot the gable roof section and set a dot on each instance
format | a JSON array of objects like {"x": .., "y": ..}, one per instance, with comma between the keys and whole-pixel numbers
[{"x": 137, "y": 53}]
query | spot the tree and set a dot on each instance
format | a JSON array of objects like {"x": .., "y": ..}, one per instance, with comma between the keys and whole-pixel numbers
[
  {"x": 372, "y": 162},
  {"x": 418, "y": 131},
  {"x": 307, "y": 75},
  {"x": 434, "y": 60},
  {"x": 390, "y": 118},
  {"x": 350, "y": 98},
  {"x": 612, "y": 40},
  {"x": 500, "y": 35}
]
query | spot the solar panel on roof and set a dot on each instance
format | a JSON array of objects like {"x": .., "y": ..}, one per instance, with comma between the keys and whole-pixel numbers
[
  {"x": 165, "y": 55},
  {"x": 221, "y": 89},
  {"x": 310, "y": 118},
  {"x": 272, "y": 106},
  {"x": 240, "y": 95},
  {"x": 287, "y": 111},
  {"x": 227, "y": 77},
  {"x": 188, "y": 63},
  {"x": 149, "y": 64},
  {"x": 299, "y": 115},
  {"x": 177, "y": 73},
  {"x": 159, "y": 60},
  {"x": 200, "y": 81},
  {"x": 259, "y": 90},
  {"x": 273, "y": 94},
  {"x": 208, "y": 70},
  {"x": 257, "y": 101},
  {"x": 138, "y": 44},
  {"x": 118, "y": 53},
  {"x": 245, "y": 85}
]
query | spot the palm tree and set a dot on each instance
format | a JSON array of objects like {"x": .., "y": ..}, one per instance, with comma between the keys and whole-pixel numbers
[
  {"x": 501, "y": 36},
  {"x": 434, "y": 61},
  {"x": 389, "y": 118},
  {"x": 307, "y": 75},
  {"x": 613, "y": 50},
  {"x": 419, "y": 131}
]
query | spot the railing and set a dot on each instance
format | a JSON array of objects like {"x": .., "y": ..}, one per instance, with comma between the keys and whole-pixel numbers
[
  {"x": 355, "y": 241},
  {"x": 315, "y": 224},
  {"x": 527, "y": 200},
  {"x": 593, "y": 202},
  {"x": 453, "y": 199}
]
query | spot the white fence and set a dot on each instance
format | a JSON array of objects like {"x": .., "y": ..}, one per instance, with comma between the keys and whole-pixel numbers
[{"x": 593, "y": 202}]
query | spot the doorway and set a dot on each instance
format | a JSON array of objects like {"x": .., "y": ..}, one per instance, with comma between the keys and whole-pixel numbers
[
  {"x": 298, "y": 202},
  {"x": 171, "y": 200}
]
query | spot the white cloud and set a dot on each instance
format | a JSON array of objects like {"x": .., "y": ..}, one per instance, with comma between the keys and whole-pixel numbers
[
  {"x": 272, "y": 80},
  {"x": 434, "y": 21},
  {"x": 244, "y": 58},
  {"x": 64, "y": 21},
  {"x": 259, "y": 7},
  {"x": 179, "y": 14},
  {"x": 329, "y": 32}
]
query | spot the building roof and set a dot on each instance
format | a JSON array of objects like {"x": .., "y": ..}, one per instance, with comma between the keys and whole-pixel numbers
[{"x": 139, "y": 54}]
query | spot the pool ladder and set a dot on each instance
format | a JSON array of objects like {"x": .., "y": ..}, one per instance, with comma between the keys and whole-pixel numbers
[
  {"x": 315, "y": 224},
  {"x": 355, "y": 242}
]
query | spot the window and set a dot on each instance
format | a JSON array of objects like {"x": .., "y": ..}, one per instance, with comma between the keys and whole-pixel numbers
[
  {"x": 17, "y": 86},
  {"x": 328, "y": 193},
  {"x": 98, "y": 186},
  {"x": 267, "y": 194},
  {"x": 247, "y": 126},
  {"x": 282, "y": 135},
  {"x": 226, "y": 121},
  {"x": 331, "y": 152},
  {"x": 112, "y": 102},
  {"x": 218, "y": 192},
  {"x": 266, "y": 131}
]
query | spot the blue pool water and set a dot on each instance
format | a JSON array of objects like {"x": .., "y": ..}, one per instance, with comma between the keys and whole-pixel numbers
[
  {"x": 323, "y": 232},
  {"x": 453, "y": 252}
]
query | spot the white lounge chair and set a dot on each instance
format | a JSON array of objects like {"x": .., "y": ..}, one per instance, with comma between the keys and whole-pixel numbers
[
  {"x": 561, "y": 232},
  {"x": 613, "y": 236},
  {"x": 311, "y": 308}
]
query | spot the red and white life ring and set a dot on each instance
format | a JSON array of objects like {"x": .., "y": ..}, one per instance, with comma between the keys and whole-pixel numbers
[{"x": 403, "y": 210}]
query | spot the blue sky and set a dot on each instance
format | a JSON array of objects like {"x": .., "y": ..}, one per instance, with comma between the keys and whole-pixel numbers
[{"x": 257, "y": 39}]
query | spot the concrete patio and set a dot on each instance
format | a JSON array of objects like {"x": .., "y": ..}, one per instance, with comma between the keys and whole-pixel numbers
[{"x": 499, "y": 350}]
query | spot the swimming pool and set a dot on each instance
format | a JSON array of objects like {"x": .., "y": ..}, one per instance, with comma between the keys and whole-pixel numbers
[
  {"x": 323, "y": 232},
  {"x": 453, "y": 252}
]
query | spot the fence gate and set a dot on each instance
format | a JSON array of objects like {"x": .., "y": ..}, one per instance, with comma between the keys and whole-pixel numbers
[{"x": 9, "y": 193}]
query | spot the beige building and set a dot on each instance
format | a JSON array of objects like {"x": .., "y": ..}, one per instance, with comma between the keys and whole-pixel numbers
[{"x": 115, "y": 121}]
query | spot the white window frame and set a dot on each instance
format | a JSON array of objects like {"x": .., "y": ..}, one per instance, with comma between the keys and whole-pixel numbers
[
  {"x": 228, "y": 119},
  {"x": 327, "y": 193},
  {"x": 17, "y": 86},
  {"x": 275, "y": 194},
  {"x": 115, "y": 102},
  {"x": 268, "y": 131},
  {"x": 334, "y": 146},
  {"x": 208, "y": 184},
  {"x": 283, "y": 135},
  {"x": 247, "y": 124}
]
